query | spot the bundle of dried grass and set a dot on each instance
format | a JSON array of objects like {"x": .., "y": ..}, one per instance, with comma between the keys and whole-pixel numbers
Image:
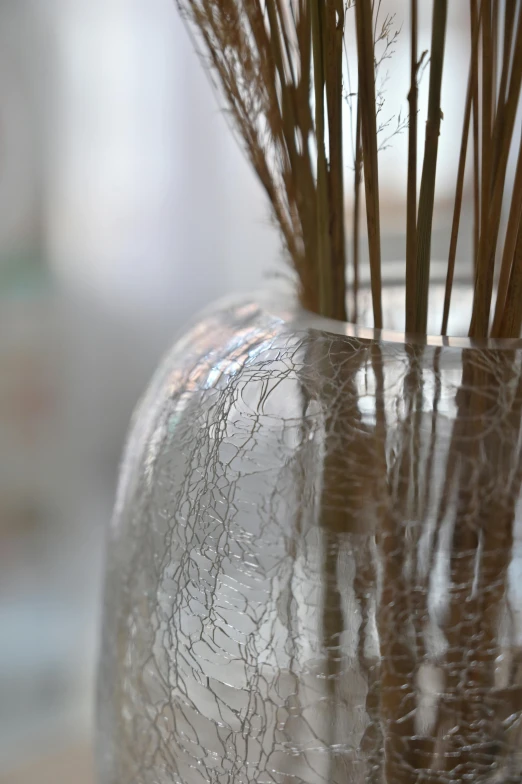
[{"x": 281, "y": 65}]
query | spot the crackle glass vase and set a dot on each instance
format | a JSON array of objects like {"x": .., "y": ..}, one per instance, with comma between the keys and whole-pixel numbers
[{"x": 315, "y": 563}]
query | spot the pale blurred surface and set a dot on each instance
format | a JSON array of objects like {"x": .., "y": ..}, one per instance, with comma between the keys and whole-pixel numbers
[
  {"x": 74, "y": 764},
  {"x": 125, "y": 205}
]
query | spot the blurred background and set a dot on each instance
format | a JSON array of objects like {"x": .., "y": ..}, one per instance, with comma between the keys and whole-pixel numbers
[{"x": 125, "y": 205}]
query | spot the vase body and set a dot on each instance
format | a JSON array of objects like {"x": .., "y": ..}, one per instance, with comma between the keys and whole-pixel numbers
[{"x": 315, "y": 562}]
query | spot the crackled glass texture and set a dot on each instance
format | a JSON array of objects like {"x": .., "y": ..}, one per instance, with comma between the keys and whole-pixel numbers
[{"x": 315, "y": 562}]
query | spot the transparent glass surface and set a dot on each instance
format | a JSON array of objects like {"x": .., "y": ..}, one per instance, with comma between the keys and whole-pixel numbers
[{"x": 315, "y": 562}]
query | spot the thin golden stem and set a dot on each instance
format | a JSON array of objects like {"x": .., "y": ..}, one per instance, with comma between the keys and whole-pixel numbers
[
  {"x": 366, "y": 62},
  {"x": 510, "y": 242},
  {"x": 494, "y": 52},
  {"x": 459, "y": 190},
  {"x": 324, "y": 244},
  {"x": 429, "y": 169},
  {"x": 333, "y": 47},
  {"x": 357, "y": 215},
  {"x": 487, "y": 114},
  {"x": 511, "y": 323},
  {"x": 509, "y": 31},
  {"x": 476, "y": 132},
  {"x": 411, "y": 197}
]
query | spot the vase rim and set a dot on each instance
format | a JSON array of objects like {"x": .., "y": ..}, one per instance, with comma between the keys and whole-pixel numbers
[{"x": 287, "y": 308}]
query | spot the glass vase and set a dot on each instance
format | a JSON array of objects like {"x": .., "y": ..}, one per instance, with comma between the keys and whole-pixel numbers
[{"x": 315, "y": 562}]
